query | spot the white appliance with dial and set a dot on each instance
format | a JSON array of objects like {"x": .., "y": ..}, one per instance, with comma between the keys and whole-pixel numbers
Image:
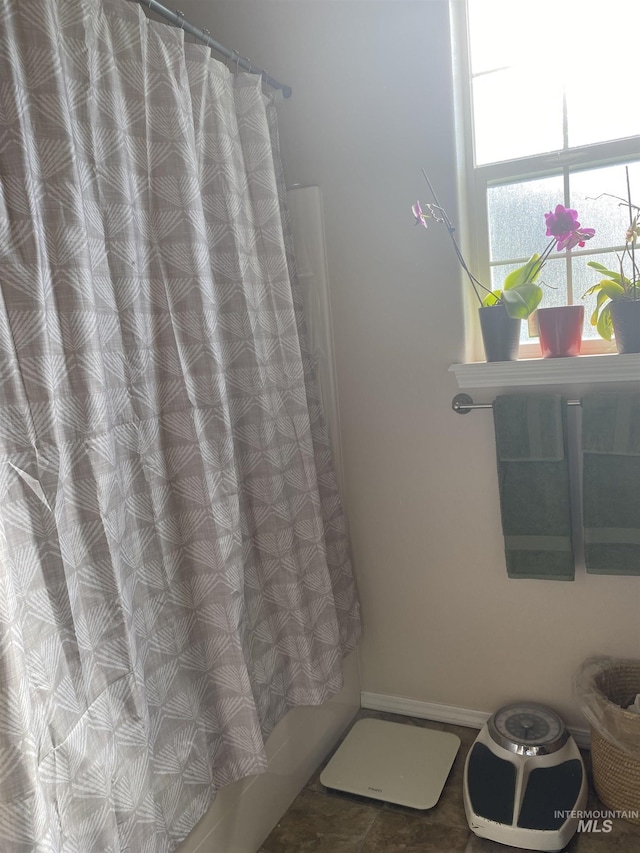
[{"x": 523, "y": 778}]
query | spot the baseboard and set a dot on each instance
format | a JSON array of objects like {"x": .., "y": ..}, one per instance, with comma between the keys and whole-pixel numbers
[{"x": 444, "y": 713}]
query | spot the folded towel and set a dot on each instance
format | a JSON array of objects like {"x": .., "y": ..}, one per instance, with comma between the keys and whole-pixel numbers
[
  {"x": 533, "y": 480},
  {"x": 611, "y": 482}
]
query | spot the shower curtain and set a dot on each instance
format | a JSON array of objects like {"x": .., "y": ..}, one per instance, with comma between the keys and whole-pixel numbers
[{"x": 174, "y": 565}]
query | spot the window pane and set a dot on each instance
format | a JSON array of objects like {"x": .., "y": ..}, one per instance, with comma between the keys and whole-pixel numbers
[
  {"x": 616, "y": 118},
  {"x": 517, "y": 228},
  {"x": 602, "y": 86},
  {"x": 553, "y": 281},
  {"x": 525, "y": 57},
  {"x": 514, "y": 116},
  {"x": 516, "y": 216},
  {"x": 591, "y": 195},
  {"x": 504, "y": 33}
]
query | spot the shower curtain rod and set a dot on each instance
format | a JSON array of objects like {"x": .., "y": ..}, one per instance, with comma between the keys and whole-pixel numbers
[
  {"x": 463, "y": 404},
  {"x": 177, "y": 19}
]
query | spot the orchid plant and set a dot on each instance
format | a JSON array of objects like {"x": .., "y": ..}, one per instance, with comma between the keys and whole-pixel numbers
[
  {"x": 520, "y": 295},
  {"x": 617, "y": 285}
]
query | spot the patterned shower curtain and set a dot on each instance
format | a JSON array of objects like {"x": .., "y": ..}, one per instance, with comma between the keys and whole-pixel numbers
[{"x": 174, "y": 566}]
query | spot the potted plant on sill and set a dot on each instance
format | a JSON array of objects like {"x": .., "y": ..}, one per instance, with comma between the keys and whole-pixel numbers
[
  {"x": 560, "y": 327},
  {"x": 617, "y": 311},
  {"x": 501, "y": 311}
]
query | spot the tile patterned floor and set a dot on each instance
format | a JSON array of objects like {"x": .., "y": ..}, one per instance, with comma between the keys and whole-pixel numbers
[{"x": 323, "y": 821}]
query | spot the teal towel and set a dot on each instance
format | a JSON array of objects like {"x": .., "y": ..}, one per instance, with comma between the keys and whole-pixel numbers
[
  {"x": 533, "y": 480},
  {"x": 611, "y": 482}
]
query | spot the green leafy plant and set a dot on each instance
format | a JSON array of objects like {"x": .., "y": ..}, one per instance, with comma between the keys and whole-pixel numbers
[
  {"x": 617, "y": 285},
  {"x": 520, "y": 295}
]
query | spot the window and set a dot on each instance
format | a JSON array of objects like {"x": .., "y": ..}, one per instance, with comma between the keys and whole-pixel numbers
[{"x": 548, "y": 115}]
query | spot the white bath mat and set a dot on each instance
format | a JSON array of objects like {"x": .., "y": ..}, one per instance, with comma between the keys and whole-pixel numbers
[{"x": 395, "y": 762}]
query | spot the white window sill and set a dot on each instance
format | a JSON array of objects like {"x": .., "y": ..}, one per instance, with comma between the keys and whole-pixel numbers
[{"x": 549, "y": 371}]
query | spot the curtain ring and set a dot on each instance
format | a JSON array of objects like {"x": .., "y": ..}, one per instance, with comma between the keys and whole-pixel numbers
[
  {"x": 208, "y": 35},
  {"x": 181, "y": 16}
]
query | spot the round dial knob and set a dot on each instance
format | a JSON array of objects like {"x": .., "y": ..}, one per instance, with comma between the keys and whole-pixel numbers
[{"x": 528, "y": 729}]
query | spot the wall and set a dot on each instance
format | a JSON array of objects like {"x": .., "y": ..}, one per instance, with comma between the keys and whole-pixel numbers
[{"x": 371, "y": 106}]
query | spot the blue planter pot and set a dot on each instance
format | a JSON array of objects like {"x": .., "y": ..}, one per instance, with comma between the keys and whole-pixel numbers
[
  {"x": 500, "y": 334},
  {"x": 625, "y": 316}
]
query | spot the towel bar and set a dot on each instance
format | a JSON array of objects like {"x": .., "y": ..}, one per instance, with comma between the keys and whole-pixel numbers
[{"x": 463, "y": 404}]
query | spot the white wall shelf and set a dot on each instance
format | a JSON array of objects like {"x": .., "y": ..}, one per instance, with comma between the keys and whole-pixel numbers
[{"x": 585, "y": 369}]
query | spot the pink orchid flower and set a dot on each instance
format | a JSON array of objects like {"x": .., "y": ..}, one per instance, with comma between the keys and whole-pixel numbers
[
  {"x": 575, "y": 238},
  {"x": 421, "y": 218},
  {"x": 562, "y": 221},
  {"x": 564, "y": 227}
]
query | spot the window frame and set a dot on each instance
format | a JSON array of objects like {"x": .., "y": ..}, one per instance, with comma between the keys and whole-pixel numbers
[{"x": 473, "y": 182}]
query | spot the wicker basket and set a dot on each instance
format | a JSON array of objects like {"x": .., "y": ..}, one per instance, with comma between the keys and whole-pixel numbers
[{"x": 616, "y": 773}]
